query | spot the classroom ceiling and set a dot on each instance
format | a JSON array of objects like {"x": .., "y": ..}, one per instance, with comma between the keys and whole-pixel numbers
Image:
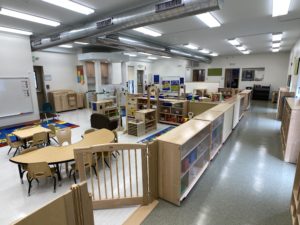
[{"x": 250, "y": 21}]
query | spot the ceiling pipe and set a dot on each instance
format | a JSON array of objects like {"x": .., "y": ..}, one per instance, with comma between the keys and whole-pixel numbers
[
  {"x": 140, "y": 16},
  {"x": 132, "y": 44}
]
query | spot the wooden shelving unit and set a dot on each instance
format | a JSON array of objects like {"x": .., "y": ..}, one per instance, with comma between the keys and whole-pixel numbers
[
  {"x": 290, "y": 128},
  {"x": 295, "y": 199},
  {"x": 282, "y": 94},
  {"x": 136, "y": 128},
  {"x": 228, "y": 110},
  {"x": 198, "y": 107},
  {"x": 106, "y": 107},
  {"x": 238, "y": 101},
  {"x": 247, "y": 101},
  {"x": 216, "y": 129},
  {"x": 142, "y": 103},
  {"x": 184, "y": 154},
  {"x": 173, "y": 112},
  {"x": 148, "y": 117}
]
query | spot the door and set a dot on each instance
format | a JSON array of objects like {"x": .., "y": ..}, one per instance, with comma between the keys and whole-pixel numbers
[
  {"x": 140, "y": 81},
  {"x": 232, "y": 77},
  {"x": 40, "y": 86}
]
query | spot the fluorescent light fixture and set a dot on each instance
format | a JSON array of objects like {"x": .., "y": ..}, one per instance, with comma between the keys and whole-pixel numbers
[
  {"x": 247, "y": 52},
  {"x": 151, "y": 57},
  {"x": 280, "y": 7},
  {"x": 209, "y": 20},
  {"x": 127, "y": 40},
  {"x": 191, "y": 46},
  {"x": 65, "y": 46},
  {"x": 276, "y": 37},
  {"x": 166, "y": 57},
  {"x": 276, "y": 44},
  {"x": 234, "y": 42},
  {"x": 15, "y": 31},
  {"x": 144, "y": 53},
  {"x": 204, "y": 51},
  {"x": 147, "y": 31},
  {"x": 180, "y": 53},
  {"x": 241, "y": 47},
  {"x": 24, "y": 16},
  {"x": 130, "y": 54},
  {"x": 81, "y": 43},
  {"x": 67, "y": 4},
  {"x": 275, "y": 49},
  {"x": 214, "y": 54}
]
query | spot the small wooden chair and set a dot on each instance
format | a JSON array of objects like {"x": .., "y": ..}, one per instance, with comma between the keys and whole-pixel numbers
[
  {"x": 89, "y": 161},
  {"x": 16, "y": 144},
  {"x": 39, "y": 170},
  {"x": 64, "y": 136},
  {"x": 52, "y": 134},
  {"x": 39, "y": 139},
  {"x": 24, "y": 167}
]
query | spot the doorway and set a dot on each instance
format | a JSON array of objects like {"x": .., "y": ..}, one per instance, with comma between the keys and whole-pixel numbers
[
  {"x": 232, "y": 77},
  {"x": 140, "y": 81},
  {"x": 40, "y": 86}
]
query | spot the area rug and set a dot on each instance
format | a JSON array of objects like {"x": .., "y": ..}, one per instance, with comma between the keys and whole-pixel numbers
[
  {"x": 155, "y": 135},
  {"x": 59, "y": 124}
]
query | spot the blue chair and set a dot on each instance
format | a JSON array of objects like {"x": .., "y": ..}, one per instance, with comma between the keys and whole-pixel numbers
[{"x": 48, "y": 111}]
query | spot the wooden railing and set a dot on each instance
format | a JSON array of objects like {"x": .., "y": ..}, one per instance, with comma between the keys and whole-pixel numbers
[{"x": 119, "y": 174}]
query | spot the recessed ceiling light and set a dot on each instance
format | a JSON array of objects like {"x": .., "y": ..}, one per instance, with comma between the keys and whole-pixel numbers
[
  {"x": 204, "y": 51},
  {"x": 234, "y": 42},
  {"x": 276, "y": 37},
  {"x": 241, "y": 47},
  {"x": 130, "y": 54},
  {"x": 16, "y": 31},
  {"x": 81, "y": 43},
  {"x": 247, "y": 52},
  {"x": 147, "y": 31},
  {"x": 275, "y": 49},
  {"x": 209, "y": 20},
  {"x": 166, "y": 57},
  {"x": 144, "y": 53},
  {"x": 24, "y": 16},
  {"x": 65, "y": 46},
  {"x": 67, "y": 4},
  {"x": 151, "y": 57},
  {"x": 214, "y": 54},
  {"x": 276, "y": 44},
  {"x": 191, "y": 46},
  {"x": 280, "y": 7}
]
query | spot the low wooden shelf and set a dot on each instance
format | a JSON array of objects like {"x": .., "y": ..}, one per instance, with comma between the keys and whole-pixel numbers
[
  {"x": 247, "y": 100},
  {"x": 216, "y": 129},
  {"x": 184, "y": 154},
  {"x": 172, "y": 112},
  {"x": 290, "y": 129},
  {"x": 282, "y": 94},
  {"x": 106, "y": 107},
  {"x": 295, "y": 198}
]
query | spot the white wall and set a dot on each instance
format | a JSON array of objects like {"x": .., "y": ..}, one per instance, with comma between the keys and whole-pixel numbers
[
  {"x": 295, "y": 81},
  {"x": 275, "y": 65},
  {"x": 16, "y": 60},
  {"x": 62, "y": 68}
]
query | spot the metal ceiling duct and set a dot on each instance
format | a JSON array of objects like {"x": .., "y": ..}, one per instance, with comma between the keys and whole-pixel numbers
[
  {"x": 140, "y": 16},
  {"x": 133, "y": 44}
]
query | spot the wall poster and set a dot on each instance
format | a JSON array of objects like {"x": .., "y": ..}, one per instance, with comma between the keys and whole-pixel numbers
[
  {"x": 80, "y": 75},
  {"x": 166, "y": 85},
  {"x": 175, "y": 86}
]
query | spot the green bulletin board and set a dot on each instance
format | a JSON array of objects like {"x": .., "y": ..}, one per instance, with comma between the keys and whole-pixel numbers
[{"x": 214, "y": 72}]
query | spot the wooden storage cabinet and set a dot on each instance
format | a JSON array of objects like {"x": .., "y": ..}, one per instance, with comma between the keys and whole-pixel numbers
[
  {"x": 247, "y": 99},
  {"x": 136, "y": 128},
  {"x": 184, "y": 154},
  {"x": 173, "y": 112},
  {"x": 295, "y": 199},
  {"x": 106, "y": 107},
  {"x": 282, "y": 94},
  {"x": 216, "y": 129},
  {"x": 290, "y": 129},
  {"x": 64, "y": 100},
  {"x": 148, "y": 117}
]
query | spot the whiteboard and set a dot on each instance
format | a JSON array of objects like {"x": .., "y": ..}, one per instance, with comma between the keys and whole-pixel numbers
[{"x": 15, "y": 96}]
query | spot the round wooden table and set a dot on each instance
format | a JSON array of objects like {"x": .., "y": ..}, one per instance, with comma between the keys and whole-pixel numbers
[{"x": 60, "y": 154}]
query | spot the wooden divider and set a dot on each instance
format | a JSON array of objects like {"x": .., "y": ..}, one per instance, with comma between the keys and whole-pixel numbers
[
  {"x": 127, "y": 176},
  {"x": 73, "y": 208}
]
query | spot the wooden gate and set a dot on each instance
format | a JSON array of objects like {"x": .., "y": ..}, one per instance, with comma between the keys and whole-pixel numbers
[{"x": 119, "y": 174}]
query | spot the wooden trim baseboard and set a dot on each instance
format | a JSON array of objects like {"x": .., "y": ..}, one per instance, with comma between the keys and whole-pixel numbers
[{"x": 141, "y": 214}]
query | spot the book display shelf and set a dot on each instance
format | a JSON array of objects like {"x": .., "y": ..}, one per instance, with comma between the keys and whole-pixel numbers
[{"x": 184, "y": 154}]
